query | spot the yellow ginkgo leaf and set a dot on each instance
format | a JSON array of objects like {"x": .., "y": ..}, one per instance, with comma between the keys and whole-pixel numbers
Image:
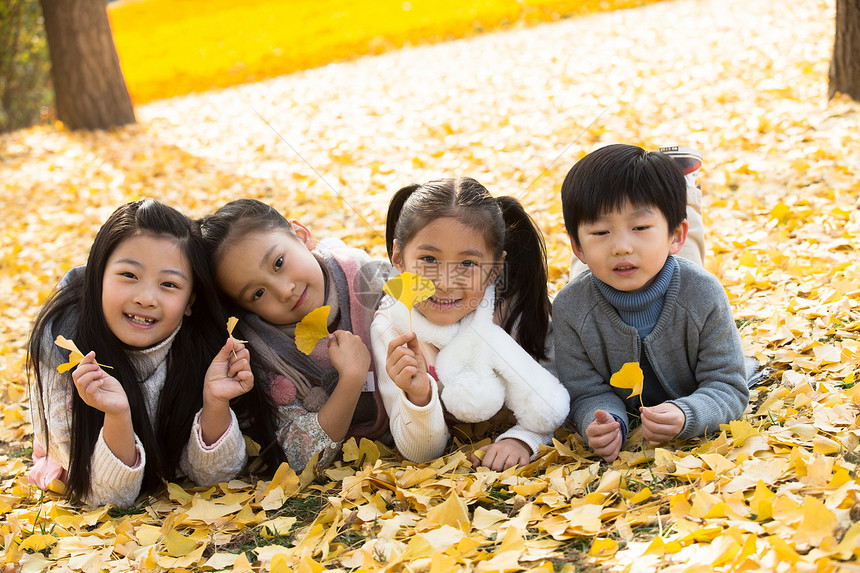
[
  {"x": 75, "y": 355},
  {"x": 312, "y": 328},
  {"x": 231, "y": 324},
  {"x": 365, "y": 452},
  {"x": 629, "y": 377},
  {"x": 38, "y": 542},
  {"x": 410, "y": 289}
]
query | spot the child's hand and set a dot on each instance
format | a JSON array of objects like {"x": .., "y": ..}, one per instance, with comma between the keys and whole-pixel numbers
[
  {"x": 604, "y": 435},
  {"x": 98, "y": 389},
  {"x": 349, "y": 356},
  {"x": 661, "y": 423},
  {"x": 408, "y": 368},
  {"x": 503, "y": 454},
  {"x": 229, "y": 375}
]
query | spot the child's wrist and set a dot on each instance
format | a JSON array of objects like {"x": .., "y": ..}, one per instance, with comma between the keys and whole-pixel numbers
[
  {"x": 211, "y": 402},
  {"x": 423, "y": 393},
  {"x": 353, "y": 377},
  {"x": 122, "y": 415}
]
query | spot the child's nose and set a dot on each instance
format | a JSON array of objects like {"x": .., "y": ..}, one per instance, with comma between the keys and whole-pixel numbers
[
  {"x": 145, "y": 296},
  {"x": 622, "y": 246},
  {"x": 284, "y": 290},
  {"x": 447, "y": 280}
]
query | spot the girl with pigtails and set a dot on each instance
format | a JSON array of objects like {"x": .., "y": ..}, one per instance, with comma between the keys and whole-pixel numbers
[{"x": 473, "y": 350}]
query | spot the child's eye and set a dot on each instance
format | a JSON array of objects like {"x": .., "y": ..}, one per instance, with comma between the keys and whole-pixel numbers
[
  {"x": 428, "y": 259},
  {"x": 600, "y": 233},
  {"x": 128, "y": 275},
  {"x": 642, "y": 227},
  {"x": 257, "y": 294},
  {"x": 279, "y": 263},
  {"x": 469, "y": 264},
  {"x": 169, "y": 284}
]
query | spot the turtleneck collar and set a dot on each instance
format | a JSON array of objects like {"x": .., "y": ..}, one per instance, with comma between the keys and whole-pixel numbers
[
  {"x": 146, "y": 360},
  {"x": 641, "y": 310}
]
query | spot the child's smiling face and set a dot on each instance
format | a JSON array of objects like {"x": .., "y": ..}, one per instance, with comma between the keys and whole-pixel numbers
[
  {"x": 458, "y": 261},
  {"x": 273, "y": 274},
  {"x": 627, "y": 247},
  {"x": 146, "y": 290}
]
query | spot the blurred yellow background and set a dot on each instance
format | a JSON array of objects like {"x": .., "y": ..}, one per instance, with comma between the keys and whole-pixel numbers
[{"x": 175, "y": 47}]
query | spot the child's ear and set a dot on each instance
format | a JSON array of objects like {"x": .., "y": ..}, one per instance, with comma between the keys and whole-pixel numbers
[
  {"x": 191, "y": 300},
  {"x": 577, "y": 250},
  {"x": 396, "y": 257},
  {"x": 303, "y": 233},
  {"x": 496, "y": 269},
  {"x": 679, "y": 237}
]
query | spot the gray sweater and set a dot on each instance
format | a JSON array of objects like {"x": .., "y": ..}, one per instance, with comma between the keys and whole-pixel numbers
[{"x": 695, "y": 350}]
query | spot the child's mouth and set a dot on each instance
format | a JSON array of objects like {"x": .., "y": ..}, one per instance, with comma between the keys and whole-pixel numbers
[
  {"x": 624, "y": 269},
  {"x": 443, "y": 303},
  {"x": 141, "y": 320},
  {"x": 301, "y": 299}
]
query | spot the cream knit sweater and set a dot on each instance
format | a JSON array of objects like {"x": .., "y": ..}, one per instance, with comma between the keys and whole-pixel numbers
[{"x": 113, "y": 482}]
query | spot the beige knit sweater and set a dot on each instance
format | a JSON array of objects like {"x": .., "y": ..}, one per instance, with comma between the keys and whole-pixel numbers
[{"x": 112, "y": 481}]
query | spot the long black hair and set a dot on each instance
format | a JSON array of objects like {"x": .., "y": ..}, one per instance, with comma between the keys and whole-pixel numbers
[
  {"x": 506, "y": 227},
  {"x": 75, "y": 311},
  {"x": 229, "y": 225}
]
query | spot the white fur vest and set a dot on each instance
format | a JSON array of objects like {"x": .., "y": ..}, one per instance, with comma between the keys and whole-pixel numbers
[{"x": 482, "y": 369}]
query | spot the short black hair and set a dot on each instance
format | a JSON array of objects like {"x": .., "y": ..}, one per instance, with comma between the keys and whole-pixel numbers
[{"x": 608, "y": 178}]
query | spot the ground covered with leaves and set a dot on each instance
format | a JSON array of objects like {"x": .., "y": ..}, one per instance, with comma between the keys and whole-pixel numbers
[{"x": 744, "y": 81}]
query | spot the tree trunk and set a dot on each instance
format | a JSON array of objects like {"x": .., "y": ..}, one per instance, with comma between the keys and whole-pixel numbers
[
  {"x": 845, "y": 64},
  {"x": 88, "y": 82}
]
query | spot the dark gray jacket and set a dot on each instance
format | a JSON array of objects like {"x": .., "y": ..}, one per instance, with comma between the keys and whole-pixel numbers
[{"x": 695, "y": 350}]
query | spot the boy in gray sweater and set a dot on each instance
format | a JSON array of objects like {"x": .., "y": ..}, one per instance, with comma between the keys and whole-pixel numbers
[{"x": 624, "y": 211}]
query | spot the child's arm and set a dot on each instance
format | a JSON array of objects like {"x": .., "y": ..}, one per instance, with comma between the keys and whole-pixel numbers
[
  {"x": 112, "y": 478},
  {"x": 420, "y": 432},
  {"x": 721, "y": 392},
  {"x": 351, "y": 358},
  {"x": 589, "y": 390},
  {"x": 301, "y": 433},
  {"x": 104, "y": 392},
  {"x": 228, "y": 376},
  {"x": 215, "y": 451}
]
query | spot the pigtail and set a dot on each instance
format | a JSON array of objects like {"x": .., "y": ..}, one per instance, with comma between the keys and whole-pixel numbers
[
  {"x": 523, "y": 285},
  {"x": 394, "y": 209}
]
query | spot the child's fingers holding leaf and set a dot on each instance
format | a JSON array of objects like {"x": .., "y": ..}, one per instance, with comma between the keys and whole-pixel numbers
[
  {"x": 407, "y": 345},
  {"x": 238, "y": 351},
  {"x": 86, "y": 365},
  {"x": 406, "y": 367},
  {"x": 99, "y": 390},
  {"x": 413, "y": 345},
  {"x": 240, "y": 364},
  {"x": 223, "y": 381},
  {"x": 661, "y": 423},
  {"x": 401, "y": 362}
]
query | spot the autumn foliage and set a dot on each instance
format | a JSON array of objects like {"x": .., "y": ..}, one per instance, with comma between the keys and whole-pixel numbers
[
  {"x": 174, "y": 47},
  {"x": 744, "y": 81}
]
